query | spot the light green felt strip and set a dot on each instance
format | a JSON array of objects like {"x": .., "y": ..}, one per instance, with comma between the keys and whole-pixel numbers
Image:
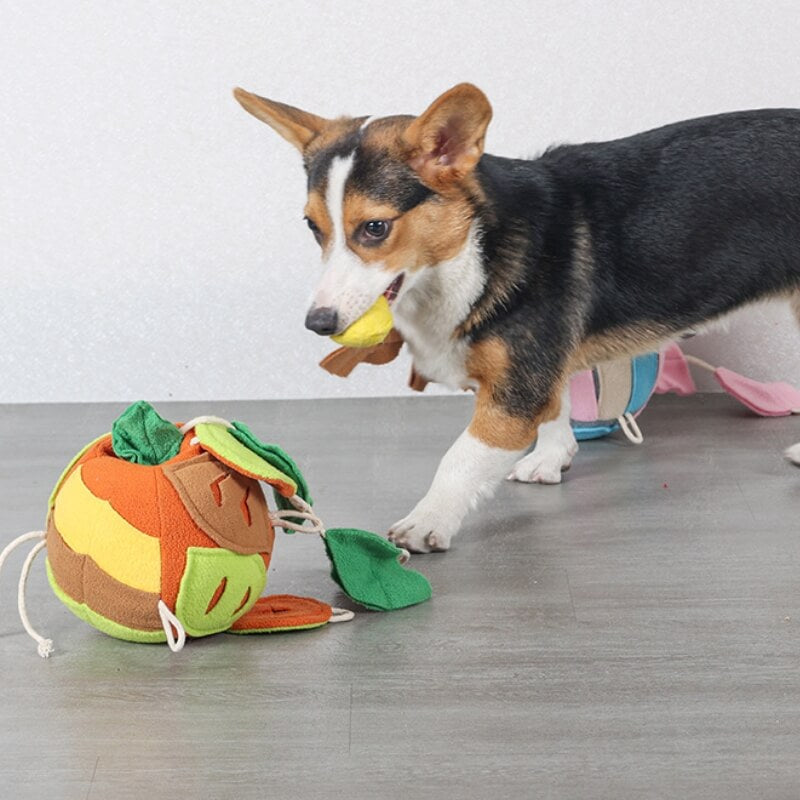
[
  {"x": 100, "y": 622},
  {"x": 219, "y": 441},
  {"x": 279, "y": 459},
  {"x": 205, "y": 569}
]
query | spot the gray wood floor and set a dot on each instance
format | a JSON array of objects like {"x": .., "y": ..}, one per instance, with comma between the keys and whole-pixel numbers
[{"x": 634, "y": 632}]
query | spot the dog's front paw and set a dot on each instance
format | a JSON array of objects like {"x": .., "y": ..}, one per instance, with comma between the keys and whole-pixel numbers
[
  {"x": 793, "y": 454},
  {"x": 424, "y": 531},
  {"x": 543, "y": 465}
]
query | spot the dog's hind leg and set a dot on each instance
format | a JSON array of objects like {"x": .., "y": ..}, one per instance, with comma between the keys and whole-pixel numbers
[
  {"x": 793, "y": 453},
  {"x": 554, "y": 451}
]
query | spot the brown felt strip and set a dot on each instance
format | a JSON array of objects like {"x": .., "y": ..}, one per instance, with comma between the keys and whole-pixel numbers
[
  {"x": 416, "y": 381},
  {"x": 343, "y": 361},
  {"x": 82, "y": 580},
  {"x": 214, "y": 496},
  {"x": 385, "y": 351}
]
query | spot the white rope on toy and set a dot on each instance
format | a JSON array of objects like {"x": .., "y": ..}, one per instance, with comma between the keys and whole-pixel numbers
[
  {"x": 284, "y": 518},
  {"x": 699, "y": 362},
  {"x": 176, "y": 635},
  {"x": 45, "y": 646},
  {"x": 304, "y": 510},
  {"x": 629, "y": 426},
  {"x": 705, "y": 365},
  {"x": 203, "y": 418}
]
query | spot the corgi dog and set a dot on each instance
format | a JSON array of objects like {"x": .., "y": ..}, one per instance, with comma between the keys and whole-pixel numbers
[{"x": 507, "y": 275}]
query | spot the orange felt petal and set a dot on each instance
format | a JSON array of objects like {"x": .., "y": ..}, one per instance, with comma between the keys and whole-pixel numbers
[{"x": 281, "y": 612}]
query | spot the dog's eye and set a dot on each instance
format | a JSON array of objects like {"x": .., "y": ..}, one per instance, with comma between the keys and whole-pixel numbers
[
  {"x": 313, "y": 228},
  {"x": 374, "y": 231}
]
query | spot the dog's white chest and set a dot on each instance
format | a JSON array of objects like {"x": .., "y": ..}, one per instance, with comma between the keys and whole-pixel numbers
[{"x": 430, "y": 311}]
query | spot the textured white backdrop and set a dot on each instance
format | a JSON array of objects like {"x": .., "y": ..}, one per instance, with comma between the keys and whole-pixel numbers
[{"x": 151, "y": 242}]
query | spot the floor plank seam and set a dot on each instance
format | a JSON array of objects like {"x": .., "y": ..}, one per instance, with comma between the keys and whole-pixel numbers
[
  {"x": 571, "y": 598},
  {"x": 744, "y": 497},
  {"x": 350, "y": 724},
  {"x": 91, "y": 781}
]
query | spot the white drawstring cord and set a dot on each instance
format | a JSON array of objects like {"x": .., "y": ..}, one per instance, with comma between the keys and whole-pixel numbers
[
  {"x": 45, "y": 646},
  {"x": 699, "y": 362},
  {"x": 705, "y": 365},
  {"x": 304, "y": 511},
  {"x": 175, "y": 632},
  {"x": 630, "y": 428},
  {"x": 203, "y": 418}
]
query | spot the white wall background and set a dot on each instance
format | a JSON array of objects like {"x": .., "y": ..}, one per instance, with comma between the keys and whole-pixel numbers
[{"x": 150, "y": 235}]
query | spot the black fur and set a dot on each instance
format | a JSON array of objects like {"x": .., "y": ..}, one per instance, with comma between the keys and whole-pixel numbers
[
  {"x": 318, "y": 166},
  {"x": 375, "y": 172},
  {"x": 683, "y": 224},
  {"x": 379, "y": 176}
]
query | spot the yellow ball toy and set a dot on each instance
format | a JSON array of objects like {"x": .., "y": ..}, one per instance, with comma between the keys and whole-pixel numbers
[{"x": 370, "y": 328}]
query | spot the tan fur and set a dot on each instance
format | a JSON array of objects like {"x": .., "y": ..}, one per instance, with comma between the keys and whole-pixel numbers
[
  {"x": 794, "y": 301},
  {"x": 317, "y": 211},
  {"x": 334, "y": 130},
  {"x": 636, "y": 339},
  {"x": 627, "y": 340},
  {"x": 489, "y": 364},
  {"x": 296, "y": 126},
  {"x": 387, "y": 134},
  {"x": 424, "y": 236},
  {"x": 430, "y": 233},
  {"x": 446, "y": 141}
]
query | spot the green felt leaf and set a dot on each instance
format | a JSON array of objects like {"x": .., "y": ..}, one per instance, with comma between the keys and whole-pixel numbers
[
  {"x": 220, "y": 441},
  {"x": 278, "y": 458},
  {"x": 366, "y": 566},
  {"x": 141, "y": 435}
]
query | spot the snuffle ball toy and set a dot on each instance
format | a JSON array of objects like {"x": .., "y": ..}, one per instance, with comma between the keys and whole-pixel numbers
[{"x": 157, "y": 532}]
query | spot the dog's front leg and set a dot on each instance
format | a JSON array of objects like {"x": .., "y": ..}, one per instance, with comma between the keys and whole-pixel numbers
[
  {"x": 469, "y": 470},
  {"x": 478, "y": 460}
]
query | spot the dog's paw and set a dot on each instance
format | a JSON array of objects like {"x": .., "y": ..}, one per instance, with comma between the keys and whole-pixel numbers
[
  {"x": 793, "y": 454},
  {"x": 543, "y": 465},
  {"x": 424, "y": 531}
]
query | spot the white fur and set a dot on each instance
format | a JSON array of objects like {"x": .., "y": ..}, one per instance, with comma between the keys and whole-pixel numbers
[
  {"x": 432, "y": 304},
  {"x": 793, "y": 454},
  {"x": 469, "y": 470},
  {"x": 554, "y": 451},
  {"x": 348, "y": 284}
]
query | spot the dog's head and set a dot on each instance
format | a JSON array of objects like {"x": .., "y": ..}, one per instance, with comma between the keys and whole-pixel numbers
[{"x": 387, "y": 197}]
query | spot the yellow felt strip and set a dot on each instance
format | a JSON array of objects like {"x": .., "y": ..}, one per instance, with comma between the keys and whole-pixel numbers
[{"x": 91, "y": 527}]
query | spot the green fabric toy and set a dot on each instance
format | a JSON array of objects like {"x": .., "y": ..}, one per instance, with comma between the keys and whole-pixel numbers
[{"x": 158, "y": 531}]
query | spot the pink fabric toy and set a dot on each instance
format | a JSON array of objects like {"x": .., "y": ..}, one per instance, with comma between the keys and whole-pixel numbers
[
  {"x": 612, "y": 395},
  {"x": 766, "y": 399}
]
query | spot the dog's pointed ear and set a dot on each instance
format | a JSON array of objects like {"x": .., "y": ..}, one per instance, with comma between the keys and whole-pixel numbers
[
  {"x": 296, "y": 126},
  {"x": 446, "y": 141}
]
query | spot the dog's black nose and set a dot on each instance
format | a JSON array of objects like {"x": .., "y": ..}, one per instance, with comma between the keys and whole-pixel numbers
[{"x": 323, "y": 320}]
